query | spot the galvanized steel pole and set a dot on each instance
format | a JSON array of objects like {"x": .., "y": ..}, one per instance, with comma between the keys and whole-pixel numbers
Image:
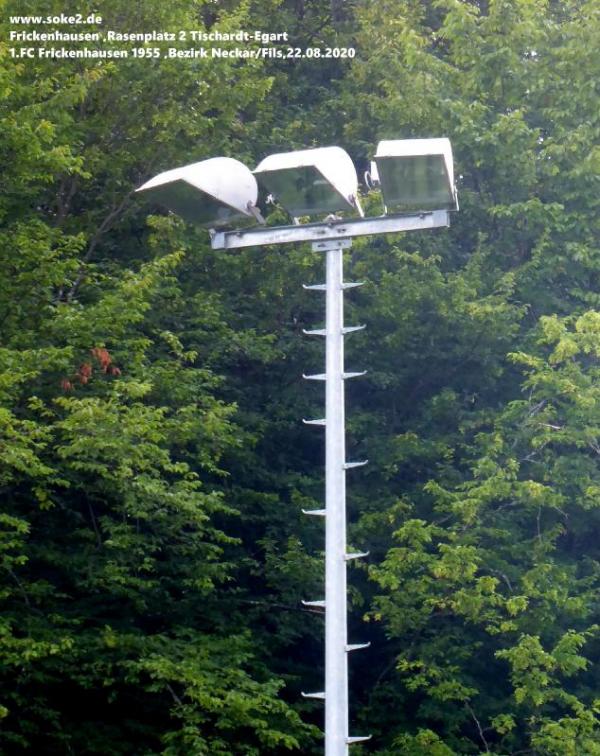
[
  {"x": 332, "y": 238},
  {"x": 336, "y": 660},
  {"x": 336, "y": 556}
]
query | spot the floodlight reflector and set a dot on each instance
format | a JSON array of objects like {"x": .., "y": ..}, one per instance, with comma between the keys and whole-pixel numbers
[
  {"x": 311, "y": 182},
  {"x": 214, "y": 192},
  {"x": 416, "y": 174}
]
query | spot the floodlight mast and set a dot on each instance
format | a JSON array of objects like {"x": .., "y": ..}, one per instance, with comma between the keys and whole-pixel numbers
[{"x": 333, "y": 236}]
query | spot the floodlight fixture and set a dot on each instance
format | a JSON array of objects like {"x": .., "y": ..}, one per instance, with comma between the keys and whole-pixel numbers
[
  {"x": 416, "y": 174},
  {"x": 213, "y": 193},
  {"x": 311, "y": 182}
]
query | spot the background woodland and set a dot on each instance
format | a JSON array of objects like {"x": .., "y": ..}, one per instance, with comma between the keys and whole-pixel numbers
[{"x": 153, "y": 463}]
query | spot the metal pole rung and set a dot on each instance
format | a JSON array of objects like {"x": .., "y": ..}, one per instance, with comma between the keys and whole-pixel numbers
[
  {"x": 357, "y": 646},
  {"x": 315, "y": 377},
  {"x": 357, "y": 555},
  {"x": 320, "y": 696},
  {"x": 315, "y": 512},
  {"x": 320, "y": 287},
  {"x": 352, "y": 329},
  {"x": 345, "y": 376},
  {"x": 320, "y": 421},
  {"x": 350, "y": 465},
  {"x": 316, "y": 332},
  {"x": 358, "y": 739},
  {"x": 320, "y": 604},
  {"x": 348, "y": 285}
]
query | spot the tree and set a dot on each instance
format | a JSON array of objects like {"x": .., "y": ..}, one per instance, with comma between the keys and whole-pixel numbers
[{"x": 113, "y": 638}]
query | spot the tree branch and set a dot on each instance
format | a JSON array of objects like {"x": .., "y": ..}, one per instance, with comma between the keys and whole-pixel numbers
[
  {"x": 102, "y": 228},
  {"x": 479, "y": 728}
]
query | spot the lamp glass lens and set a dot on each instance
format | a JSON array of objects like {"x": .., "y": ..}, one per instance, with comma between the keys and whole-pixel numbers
[
  {"x": 193, "y": 205},
  {"x": 415, "y": 183},
  {"x": 303, "y": 191}
]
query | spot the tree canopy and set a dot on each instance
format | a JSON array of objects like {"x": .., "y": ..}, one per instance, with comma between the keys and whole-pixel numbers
[{"x": 153, "y": 464}]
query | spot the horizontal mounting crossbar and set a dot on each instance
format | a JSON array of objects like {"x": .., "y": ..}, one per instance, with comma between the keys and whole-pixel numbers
[{"x": 315, "y": 232}]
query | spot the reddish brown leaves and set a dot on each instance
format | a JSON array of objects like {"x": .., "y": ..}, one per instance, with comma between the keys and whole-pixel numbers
[
  {"x": 84, "y": 373},
  {"x": 101, "y": 356}
]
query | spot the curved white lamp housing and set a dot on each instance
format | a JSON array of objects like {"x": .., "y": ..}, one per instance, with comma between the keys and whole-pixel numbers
[
  {"x": 416, "y": 174},
  {"x": 310, "y": 182},
  {"x": 211, "y": 193}
]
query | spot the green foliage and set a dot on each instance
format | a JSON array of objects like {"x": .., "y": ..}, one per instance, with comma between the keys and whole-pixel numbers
[
  {"x": 152, "y": 463},
  {"x": 113, "y": 427}
]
